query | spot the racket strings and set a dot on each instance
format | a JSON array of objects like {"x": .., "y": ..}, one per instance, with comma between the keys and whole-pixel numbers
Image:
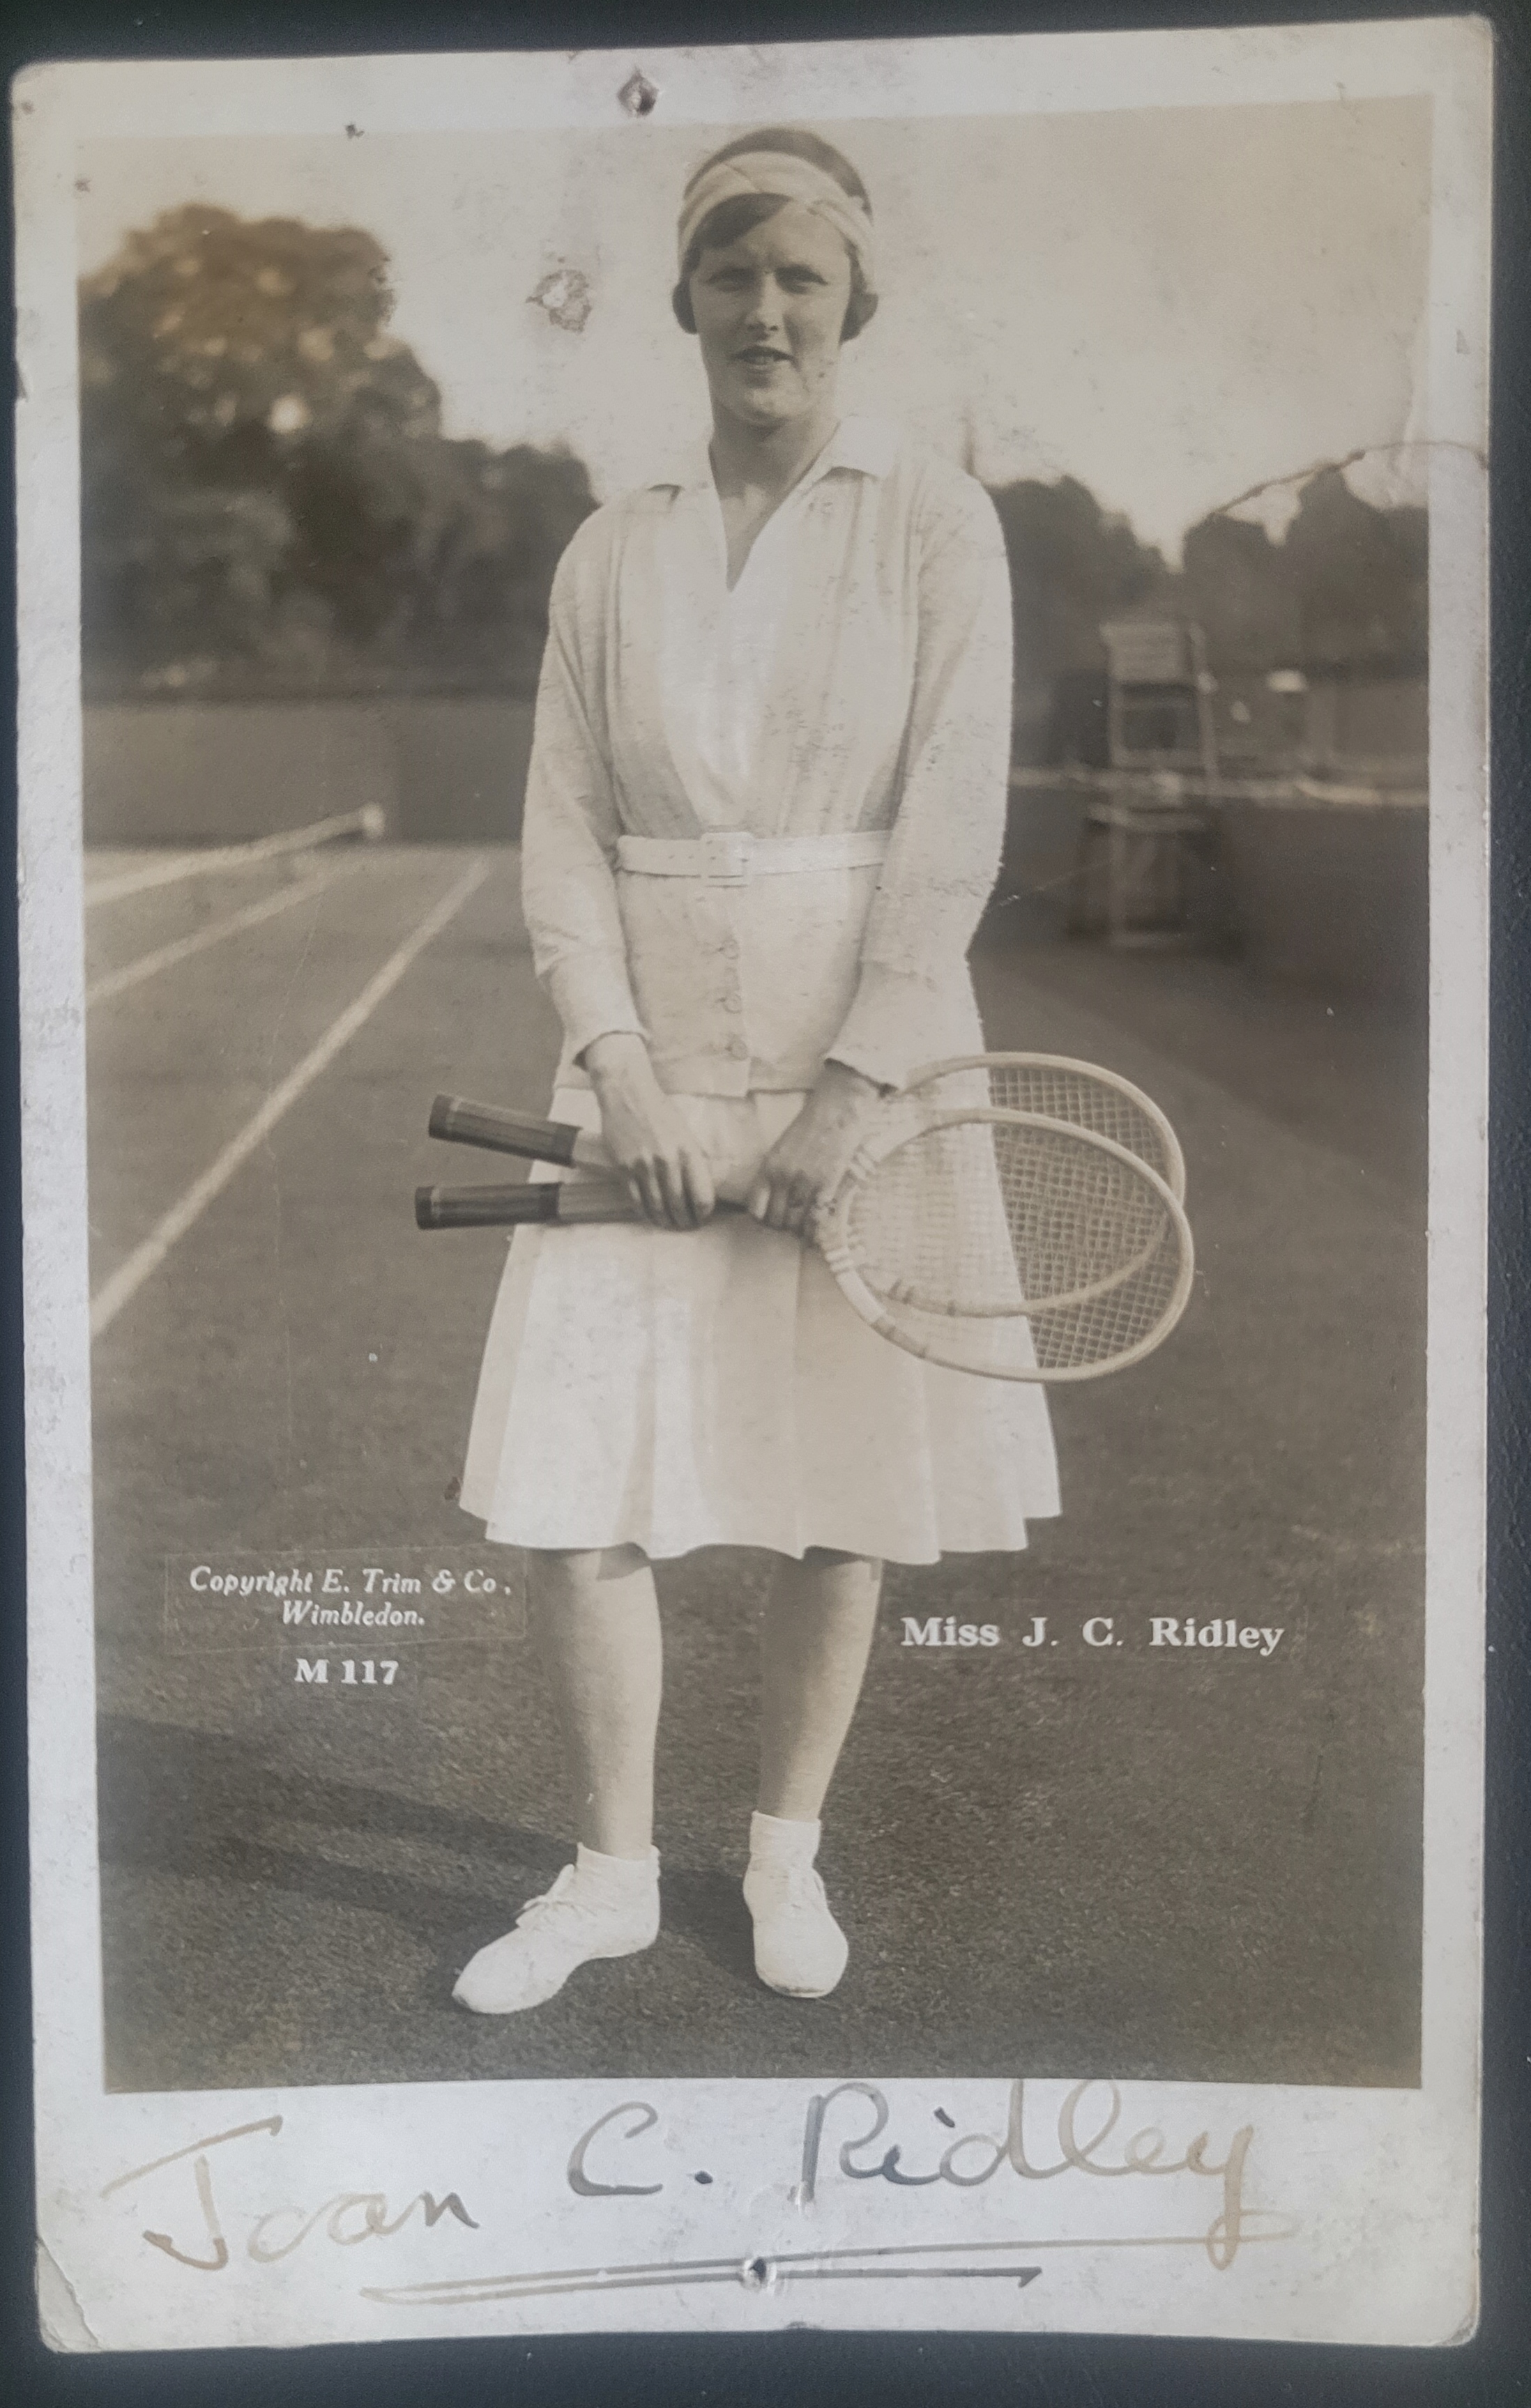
[
  {"x": 984, "y": 1219},
  {"x": 1013, "y": 1245},
  {"x": 1103, "y": 1331},
  {"x": 1060, "y": 1092},
  {"x": 1105, "y": 1326}
]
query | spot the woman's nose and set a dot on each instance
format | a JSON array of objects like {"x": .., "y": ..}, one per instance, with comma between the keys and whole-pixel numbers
[{"x": 765, "y": 308}]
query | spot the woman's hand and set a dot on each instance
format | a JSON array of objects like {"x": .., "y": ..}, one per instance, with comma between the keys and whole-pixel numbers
[
  {"x": 808, "y": 1160},
  {"x": 647, "y": 1137}
]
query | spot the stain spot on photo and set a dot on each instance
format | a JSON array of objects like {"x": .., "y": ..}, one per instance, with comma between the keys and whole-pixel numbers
[{"x": 565, "y": 294}]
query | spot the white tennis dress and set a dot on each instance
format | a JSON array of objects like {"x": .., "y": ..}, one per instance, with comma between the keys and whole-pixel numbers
[{"x": 761, "y": 827}]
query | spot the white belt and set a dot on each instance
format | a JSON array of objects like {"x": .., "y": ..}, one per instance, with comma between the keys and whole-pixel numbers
[{"x": 731, "y": 856}]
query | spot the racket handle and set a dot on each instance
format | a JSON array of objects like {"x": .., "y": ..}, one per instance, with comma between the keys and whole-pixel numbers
[
  {"x": 508, "y": 1208},
  {"x": 458, "y": 1121}
]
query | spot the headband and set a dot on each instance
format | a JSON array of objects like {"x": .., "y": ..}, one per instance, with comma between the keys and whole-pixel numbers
[{"x": 781, "y": 176}]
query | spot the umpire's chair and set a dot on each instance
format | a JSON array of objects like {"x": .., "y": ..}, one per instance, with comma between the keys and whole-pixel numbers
[{"x": 1149, "y": 846}]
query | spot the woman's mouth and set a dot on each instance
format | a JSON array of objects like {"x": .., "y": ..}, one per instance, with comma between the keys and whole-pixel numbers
[{"x": 762, "y": 355}]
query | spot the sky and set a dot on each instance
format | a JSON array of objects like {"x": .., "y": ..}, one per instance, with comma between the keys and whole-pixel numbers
[{"x": 1169, "y": 304}]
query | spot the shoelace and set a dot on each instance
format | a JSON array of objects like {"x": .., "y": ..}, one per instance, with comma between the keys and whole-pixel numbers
[
  {"x": 802, "y": 1885},
  {"x": 536, "y": 1907}
]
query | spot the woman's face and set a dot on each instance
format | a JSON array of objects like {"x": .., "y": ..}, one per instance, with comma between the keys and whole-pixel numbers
[{"x": 769, "y": 310}]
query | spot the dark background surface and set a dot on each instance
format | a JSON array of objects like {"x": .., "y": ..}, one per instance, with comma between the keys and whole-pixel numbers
[{"x": 1494, "y": 2368}]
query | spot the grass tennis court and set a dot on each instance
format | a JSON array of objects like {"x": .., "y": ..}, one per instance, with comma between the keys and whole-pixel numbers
[{"x": 1170, "y": 1862}]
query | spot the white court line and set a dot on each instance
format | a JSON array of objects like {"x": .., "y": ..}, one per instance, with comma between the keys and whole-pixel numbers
[
  {"x": 368, "y": 823},
  {"x": 145, "y": 1259},
  {"x": 149, "y": 965}
]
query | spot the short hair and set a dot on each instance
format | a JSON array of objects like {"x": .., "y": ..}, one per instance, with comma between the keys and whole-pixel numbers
[{"x": 732, "y": 219}]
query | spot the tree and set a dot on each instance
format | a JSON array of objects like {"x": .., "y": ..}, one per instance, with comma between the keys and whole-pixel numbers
[
  {"x": 1347, "y": 588},
  {"x": 1072, "y": 564},
  {"x": 1362, "y": 580},
  {"x": 266, "y": 486},
  {"x": 1240, "y": 590}
]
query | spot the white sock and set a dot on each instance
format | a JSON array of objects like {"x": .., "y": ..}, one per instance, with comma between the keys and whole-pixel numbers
[
  {"x": 772, "y": 1841},
  {"x": 616, "y": 1877}
]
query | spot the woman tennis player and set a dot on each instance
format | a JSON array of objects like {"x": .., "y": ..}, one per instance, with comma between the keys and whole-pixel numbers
[{"x": 764, "y": 812}]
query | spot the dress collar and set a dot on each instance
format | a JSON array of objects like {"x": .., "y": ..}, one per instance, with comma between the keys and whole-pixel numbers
[{"x": 866, "y": 445}]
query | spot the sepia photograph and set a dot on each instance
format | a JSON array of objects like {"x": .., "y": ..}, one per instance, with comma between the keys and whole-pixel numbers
[
  {"x": 677, "y": 633},
  {"x": 753, "y": 962}
]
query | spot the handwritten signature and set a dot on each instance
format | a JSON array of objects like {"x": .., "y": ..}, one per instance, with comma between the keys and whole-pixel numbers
[
  {"x": 1144, "y": 2153},
  {"x": 1088, "y": 2143},
  {"x": 348, "y": 2216}
]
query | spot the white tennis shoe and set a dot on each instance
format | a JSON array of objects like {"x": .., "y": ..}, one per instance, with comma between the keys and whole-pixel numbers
[
  {"x": 800, "y": 1949},
  {"x": 599, "y": 1906}
]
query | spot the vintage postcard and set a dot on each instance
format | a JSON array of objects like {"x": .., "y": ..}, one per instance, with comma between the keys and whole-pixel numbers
[{"x": 753, "y": 893}]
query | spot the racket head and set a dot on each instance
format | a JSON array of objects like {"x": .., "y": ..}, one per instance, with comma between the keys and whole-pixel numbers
[
  {"x": 1057, "y": 1087},
  {"x": 1011, "y": 1245}
]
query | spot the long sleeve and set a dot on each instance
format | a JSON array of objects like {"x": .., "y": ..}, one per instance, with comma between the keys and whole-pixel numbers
[
  {"x": 571, "y": 826},
  {"x": 949, "y": 830}
]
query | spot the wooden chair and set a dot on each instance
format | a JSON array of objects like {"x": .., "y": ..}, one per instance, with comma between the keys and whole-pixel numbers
[{"x": 1149, "y": 844}]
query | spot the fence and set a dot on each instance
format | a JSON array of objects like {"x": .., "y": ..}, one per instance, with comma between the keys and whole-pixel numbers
[
  {"x": 444, "y": 768},
  {"x": 1330, "y": 886},
  {"x": 1326, "y": 885}
]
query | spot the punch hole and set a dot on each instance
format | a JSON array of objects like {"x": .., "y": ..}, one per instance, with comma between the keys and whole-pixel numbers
[{"x": 638, "y": 96}]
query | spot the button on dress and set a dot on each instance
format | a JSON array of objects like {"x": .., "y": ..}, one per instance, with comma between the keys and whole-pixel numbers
[{"x": 760, "y": 826}]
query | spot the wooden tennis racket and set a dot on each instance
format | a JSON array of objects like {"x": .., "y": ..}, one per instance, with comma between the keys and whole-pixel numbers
[{"x": 1009, "y": 1243}]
